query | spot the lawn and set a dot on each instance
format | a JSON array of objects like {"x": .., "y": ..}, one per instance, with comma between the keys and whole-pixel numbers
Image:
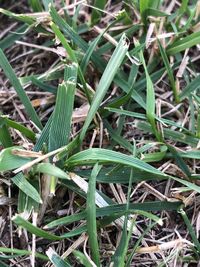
[{"x": 99, "y": 133}]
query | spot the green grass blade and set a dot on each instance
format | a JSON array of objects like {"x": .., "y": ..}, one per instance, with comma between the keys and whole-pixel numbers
[
  {"x": 51, "y": 169},
  {"x": 106, "y": 79},
  {"x": 120, "y": 175},
  {"x": 121, "y": 141},
  {"x": 107, "y": 156},
  {"x": 190, "y": 229},
  {"x": 91, "y": 216},
  {"x": 20, "y": 91},
  {"x": 150, "y": 99},
  {"x": 10, "y": 39},
  {"x": 56, "y": 259},
  {"x": 96, "y": 11},
  {"x": 45, "y": 87},
  {"x": 27, "y": 205},
  {"x": 22, "y": 252},
  {"x": 130, "y": 257},
  {"x": 21, "y": 17},
  {"x": 143, "y": 117},
  {"x": 34, "y": 230},
  {"x": 21, "y": 128},
  {"x": 144, "y": 5},
  {"x": 171, "y": 134},
  {"x": 10, "y": 161},
  {"x": 186, "y": 42},
  {"x": 120, "y": 253},
  {"x": 5, "y": 137},
  {"x": 117, "y": 209},
  {"x": 96, "y": 59},
  {"x": 46, "y": 4},
  {"x": 36, "y": 5},
  {"x": 20, "y": 181},
  {"x": 71, "y": 54},
  {"x": 169, "y": 71},
  {"x": 180, "y": 162},
  {"x": 82, "y": 258},
  {"x": 190, "y": 185},
  {"x": 59, "y": 136},
  {"x": 190, "y": 88}
]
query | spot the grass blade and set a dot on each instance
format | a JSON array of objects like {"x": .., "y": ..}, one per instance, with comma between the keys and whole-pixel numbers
[
  {"x": 190, "y": 88},
  {"x": 190, "y": 229},
  {"x": 36, "y": 5},
  {"x": 33, "y": 229},
  {"x": 20, "y": 181},
  {"x": 82, "y": 258},
  {"x": 106, "y": 79},
  {"x": 59, "y": 136},
  {"x": 21, "y": 252},
  {"x": 10, "y": 39},
  {"x": 72, "y": 56},
  {"x": 10, "y": 161},
  {"x": 150, "y": 99},
  {"x": 97, "y": 11},
  {"x": 91, "y": 216},
  {"x": 52, "y": 170},
  {"x": 56, "y": 259},
  {"x": 184, "y": 43},
  {"x": 5, "y": 137},
  {"x": 90, "y": 156},
  {"x": 20, "y": 91},
  {"x": 96, "y": 59},
  {"x": 117, "y": 209},
  {"x": 169, "y": 71},
  {"x": 21, "y": 128}
]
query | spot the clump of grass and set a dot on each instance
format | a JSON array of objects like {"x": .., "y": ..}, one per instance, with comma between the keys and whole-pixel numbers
[{"x": 102, "y": 149}]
